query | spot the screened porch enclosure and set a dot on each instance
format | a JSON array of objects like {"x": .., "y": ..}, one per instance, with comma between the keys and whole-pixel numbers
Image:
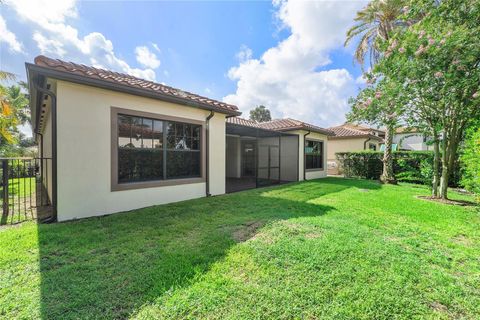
[{"x": 257, "y": 157}]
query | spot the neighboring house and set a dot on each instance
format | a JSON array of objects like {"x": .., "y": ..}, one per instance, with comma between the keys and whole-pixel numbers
[
  {"x": 350, "y": 138},
  {"x": 115, "y": 142},
  {"x": 411, "y": 140}
]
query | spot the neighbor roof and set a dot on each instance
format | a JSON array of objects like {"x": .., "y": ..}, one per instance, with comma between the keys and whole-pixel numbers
[
  {"x": 243, "y": 122},
  {"x": 79, "y": 73},
  {"x": 361, "y": 127},
  {"x": 346, "y": 131},
  {"x": 289, "y": 124},
  {"x": 406, "y": 130}
]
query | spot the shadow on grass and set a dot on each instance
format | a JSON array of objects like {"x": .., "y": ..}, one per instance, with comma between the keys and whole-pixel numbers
[{"x": 109, "y": 267}]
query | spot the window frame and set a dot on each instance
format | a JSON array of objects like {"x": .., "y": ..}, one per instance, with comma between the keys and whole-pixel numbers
[
  {"x": 116, "y": 186},
  {"x": 305, "y": 155}
]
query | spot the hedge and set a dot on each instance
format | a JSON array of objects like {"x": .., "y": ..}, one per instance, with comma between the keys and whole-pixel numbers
[
  {"x": 408, "y": 166},
  {"x": 471, "y": 162}
]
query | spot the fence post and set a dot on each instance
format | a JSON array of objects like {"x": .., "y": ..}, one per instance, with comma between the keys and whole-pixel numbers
[{"x": 5, "y": 186}]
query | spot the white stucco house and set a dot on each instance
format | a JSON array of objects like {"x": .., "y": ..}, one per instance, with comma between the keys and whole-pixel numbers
[
  {"x": 411, "y": 140},
  {"x": 350, "y": 137},
  {"x": 116, "y": 142}
]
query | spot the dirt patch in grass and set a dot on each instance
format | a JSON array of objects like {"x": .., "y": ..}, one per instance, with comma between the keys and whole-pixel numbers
[
  {"x": 437, "y": 306},
  {"x": 463, "y": 240},
  {"x": 448, "y": 201},
  {"x": 298, "y": 229},
  {"x": 247, "y": 230}
]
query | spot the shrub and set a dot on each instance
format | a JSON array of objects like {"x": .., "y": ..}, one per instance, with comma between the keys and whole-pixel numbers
[
  {"x": 408, "y": 166},
  {"x": 471, "y": 162}
]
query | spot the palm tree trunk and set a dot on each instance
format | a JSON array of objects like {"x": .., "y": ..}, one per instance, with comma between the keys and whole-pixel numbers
[{"x": 387, "y": 175}]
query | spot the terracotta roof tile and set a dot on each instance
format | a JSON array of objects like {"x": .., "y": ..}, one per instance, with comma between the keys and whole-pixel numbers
[
  {"x": 360, "y": 127},
  {"x": 406, "y": 130},
  {"x": 289, "y": 124},
  {"x": 346, "y": 131},
  {"x": 243, "y": 122},
  {"x": 131, "y": 81}
]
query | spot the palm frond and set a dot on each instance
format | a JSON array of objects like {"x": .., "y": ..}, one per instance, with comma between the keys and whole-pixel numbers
[{"x": 374, "y": 22}]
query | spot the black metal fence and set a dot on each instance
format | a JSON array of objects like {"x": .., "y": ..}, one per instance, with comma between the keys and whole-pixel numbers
[{"x": 24, "y": 189}]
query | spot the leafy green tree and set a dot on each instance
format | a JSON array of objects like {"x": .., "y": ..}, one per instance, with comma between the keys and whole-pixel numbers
[
  {"x": 260, "y": 114},
  {"x": 7, "y": 115},
  {"x": 437, "y": 61},
  {"x": 13, "y": 112},
  {"x": 380, "y": 103},
  {"x": 471, "y": 161}
]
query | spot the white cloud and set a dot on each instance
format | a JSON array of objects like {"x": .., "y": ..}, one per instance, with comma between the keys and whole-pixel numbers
[
  {"x": 156, "y": 47},
  {"x": 286, "y": 78},
  {"x": 360, "y": 80},
  {"x": 48, "y": 45},
  {"x": 244, "y": 54},
  {"x": 9, "y": 37},
  {"x": 54, "y": 36},
  {"x": 45, "y": 11},
  {"x": 146, "y": 58}
]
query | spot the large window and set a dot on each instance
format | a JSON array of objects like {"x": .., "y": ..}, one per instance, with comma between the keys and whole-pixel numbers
[
  {"x": 151, "y": 149},
  {"x": 313, "y": 154}
]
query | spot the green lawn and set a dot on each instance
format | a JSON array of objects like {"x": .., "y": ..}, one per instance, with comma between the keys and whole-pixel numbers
[
  {"x": 21, "y": 195},
  {"x": 21, "y": 186},
  {"x": 331, "y": 248}
]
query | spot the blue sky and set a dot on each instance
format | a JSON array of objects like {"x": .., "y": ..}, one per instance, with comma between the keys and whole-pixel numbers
[{"x": 286, "y": 55}]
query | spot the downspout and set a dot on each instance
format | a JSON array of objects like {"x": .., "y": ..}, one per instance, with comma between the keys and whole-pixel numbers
[
  {"x": 304, "y": 156},
  {"x": 207, "y": 150},
  {"x": 54, "y": 149},
  {"x": 365, "y": 143}
]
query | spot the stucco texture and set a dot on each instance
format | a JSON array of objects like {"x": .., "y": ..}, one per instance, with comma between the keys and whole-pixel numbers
[{"x": 84, "y": 153}]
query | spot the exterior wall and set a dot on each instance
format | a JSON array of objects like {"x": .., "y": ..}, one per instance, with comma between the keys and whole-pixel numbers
[
  {"x": 84, "y": 153},
  {"x": 345, "y": 145},
  {"x": 410, "y": 141},
  {"x": 233, "y": 157},
  {"x": 301, "y": 155},
  {"x": 217, "y": 150}
]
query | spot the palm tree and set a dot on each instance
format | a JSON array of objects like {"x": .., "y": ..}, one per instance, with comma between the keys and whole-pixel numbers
[{"x": 374, "y": 22}]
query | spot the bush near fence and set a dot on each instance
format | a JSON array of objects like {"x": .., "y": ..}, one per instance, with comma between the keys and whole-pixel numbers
[{"x": 408, "y": 166}]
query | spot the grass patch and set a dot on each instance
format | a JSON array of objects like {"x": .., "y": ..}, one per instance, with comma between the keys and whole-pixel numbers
[
  {"x": 330, "y": 248},
  {"x": 21, "y": 186}
]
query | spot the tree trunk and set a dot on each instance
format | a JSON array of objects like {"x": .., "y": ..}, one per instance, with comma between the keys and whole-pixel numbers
[
  {"x": 436, "y": 165},
  {"x": 445, "y": 171},
  {"x": 387, "y": 175},
  {"x": 448, "y": 159}
]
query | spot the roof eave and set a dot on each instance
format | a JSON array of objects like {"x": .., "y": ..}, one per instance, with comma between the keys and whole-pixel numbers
[
  {"x": 34, "y": 99},
  {"x": 75, "y": 78},
  {"x": 356, "y": 136},
  {"x": 324, "y": 132}
]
